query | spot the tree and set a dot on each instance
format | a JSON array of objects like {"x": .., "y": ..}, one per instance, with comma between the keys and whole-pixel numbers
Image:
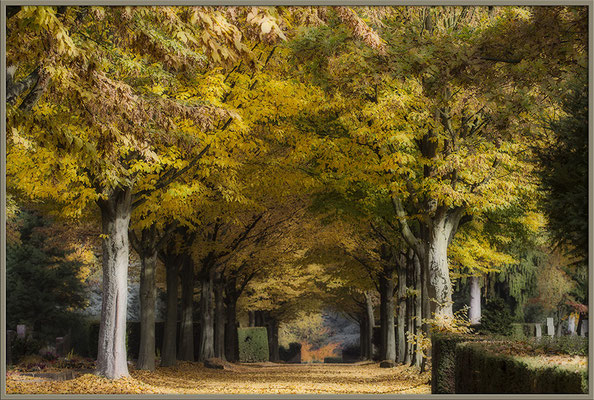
[
  {"x": 44, "y": 288},
  {"x": 564, "y": 175},
  {"x": 449, "y": 142},
  {"x": 129, "y": 102}
]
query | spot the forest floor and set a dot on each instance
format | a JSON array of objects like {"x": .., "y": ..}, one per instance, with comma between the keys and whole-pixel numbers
[{"x": 194, "y": 378}]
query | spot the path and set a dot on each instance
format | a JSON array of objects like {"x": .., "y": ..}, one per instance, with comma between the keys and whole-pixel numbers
[{"x": 193, "y": 378}]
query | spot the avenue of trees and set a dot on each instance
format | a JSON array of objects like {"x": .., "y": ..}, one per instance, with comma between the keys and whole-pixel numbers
[{"x": 271, "y": 160}]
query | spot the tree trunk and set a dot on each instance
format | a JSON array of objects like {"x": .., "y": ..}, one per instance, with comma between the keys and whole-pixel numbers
[
  {"x": 148, "y": 296},
  {"x": 401, "y": 316},
  {"x": 418, "y": 302},
  {"x": 425, "y": 308},
  {"x": 363, "y": 337},
  {"x": 206, "y": 314},
  {"x": 387, "y": 322},
  {"x": 252, "y": 319},
  {"x": 369, "y": 326},
  {"x": 186, "y": 347},
  {"x": 409, "y": 309},
  {"x": 168, "y": 356},
  {"x": 219, "y": 315},
  {"x": 273, "y": 339},
  {"x": 436, "y": 254},
  {"x": 115, "y": 219},
  {"x": 474, "y": 314},
  {"x": 231, "y": 351}
]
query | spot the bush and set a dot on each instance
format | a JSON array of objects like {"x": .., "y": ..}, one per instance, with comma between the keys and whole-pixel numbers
[
  {"x": 571, "y": 345},
  {"x": 292, "y": 354},
  {"x": 496, "y": 318},
  {"x": 351, "y": 353},
  {"x": 22, "y": 347},
  {"x": 253, "y": 344},
  {"x": 478, "y": 370},
  {"x": 443, "y": 354},
  {"x": 332, "y": 360}
]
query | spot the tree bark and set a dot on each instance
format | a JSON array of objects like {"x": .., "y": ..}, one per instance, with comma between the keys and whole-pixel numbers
[
  {"x": 148, "y": 296},
  {"x": 168, "y": 356},
  {"x": 409, "y": 309},
  {"x": 441, "y": 232},
  {"x": 115, "y": 218},
  {"x": 273, "y": 339},
  {"x": 387, "y": 317},
  {"x": 363, "y": 352},
  {"x": 425, "y": 308},
  {"x": 206, "y": 314},
  {"x": 418, "y": 302},
  {"x": 186, "y": 347},
  {"x": 370, "y": 322},
  {"x": 474, "y": 313},
  {"x": 231, "y": 351},
  {"x": 219, "y": 316},
  {"x": 401, "y": 316}
]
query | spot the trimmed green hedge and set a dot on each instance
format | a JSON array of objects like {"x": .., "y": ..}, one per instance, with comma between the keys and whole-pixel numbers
[
  {"x": 443, "y": 362},
  {"x": 477, "y": 370},
  {"x": 253, "y": 344},
  {"x": 462, "y": 364}
]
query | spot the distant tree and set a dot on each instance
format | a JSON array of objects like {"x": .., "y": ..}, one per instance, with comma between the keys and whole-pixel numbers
[
  {"x": 564, "y": 171},
  {"x": 43, "y": 288},
  {"x": 564, "y": 177}
]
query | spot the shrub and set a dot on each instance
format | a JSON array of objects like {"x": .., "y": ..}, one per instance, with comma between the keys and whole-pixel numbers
[
  {"x": 479, "y": 370},
  {"x": 253, "y": 344},
  {"x": 332, "y": 360},
  {"x": 22, "y": 347},
  {"x": 351, "y": 353},
  {"x": 292, "y": 354},
  {"x": 443, "y": 354},
  {"x": 496, "y": 318},
  {"x": 571, "y": 345}
]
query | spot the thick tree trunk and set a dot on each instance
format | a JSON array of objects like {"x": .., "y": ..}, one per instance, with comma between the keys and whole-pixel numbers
[
  {"x": 231, "y": 351},
  {"x": 168, "y": 356},
  {"x": 474, "y": 314},
  {"x": 219, "y": 315},
  {"x": 186, "y": 347},
  {"x": 387, "y": 319},
  {"x": 115, "y": 218},
  {"x": 436, "y": 253},
  {"x": 418, "y": 314},
  {"x": 206, "y": 314},
  {"x": 401, "y": 316},
  {"x": 370, "y": 322},
  {"x": 148, "y": 296}
]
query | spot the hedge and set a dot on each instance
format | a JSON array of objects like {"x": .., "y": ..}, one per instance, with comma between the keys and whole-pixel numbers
[
  {"x": 478, "y": 370},
  {"x": 253, "y": 344},
  {"x": 462, "y": 364},
  {"x": 443, "y": 362}
]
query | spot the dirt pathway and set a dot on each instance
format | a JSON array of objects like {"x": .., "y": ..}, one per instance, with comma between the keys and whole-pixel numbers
[{"x": 193, "y": 378}]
